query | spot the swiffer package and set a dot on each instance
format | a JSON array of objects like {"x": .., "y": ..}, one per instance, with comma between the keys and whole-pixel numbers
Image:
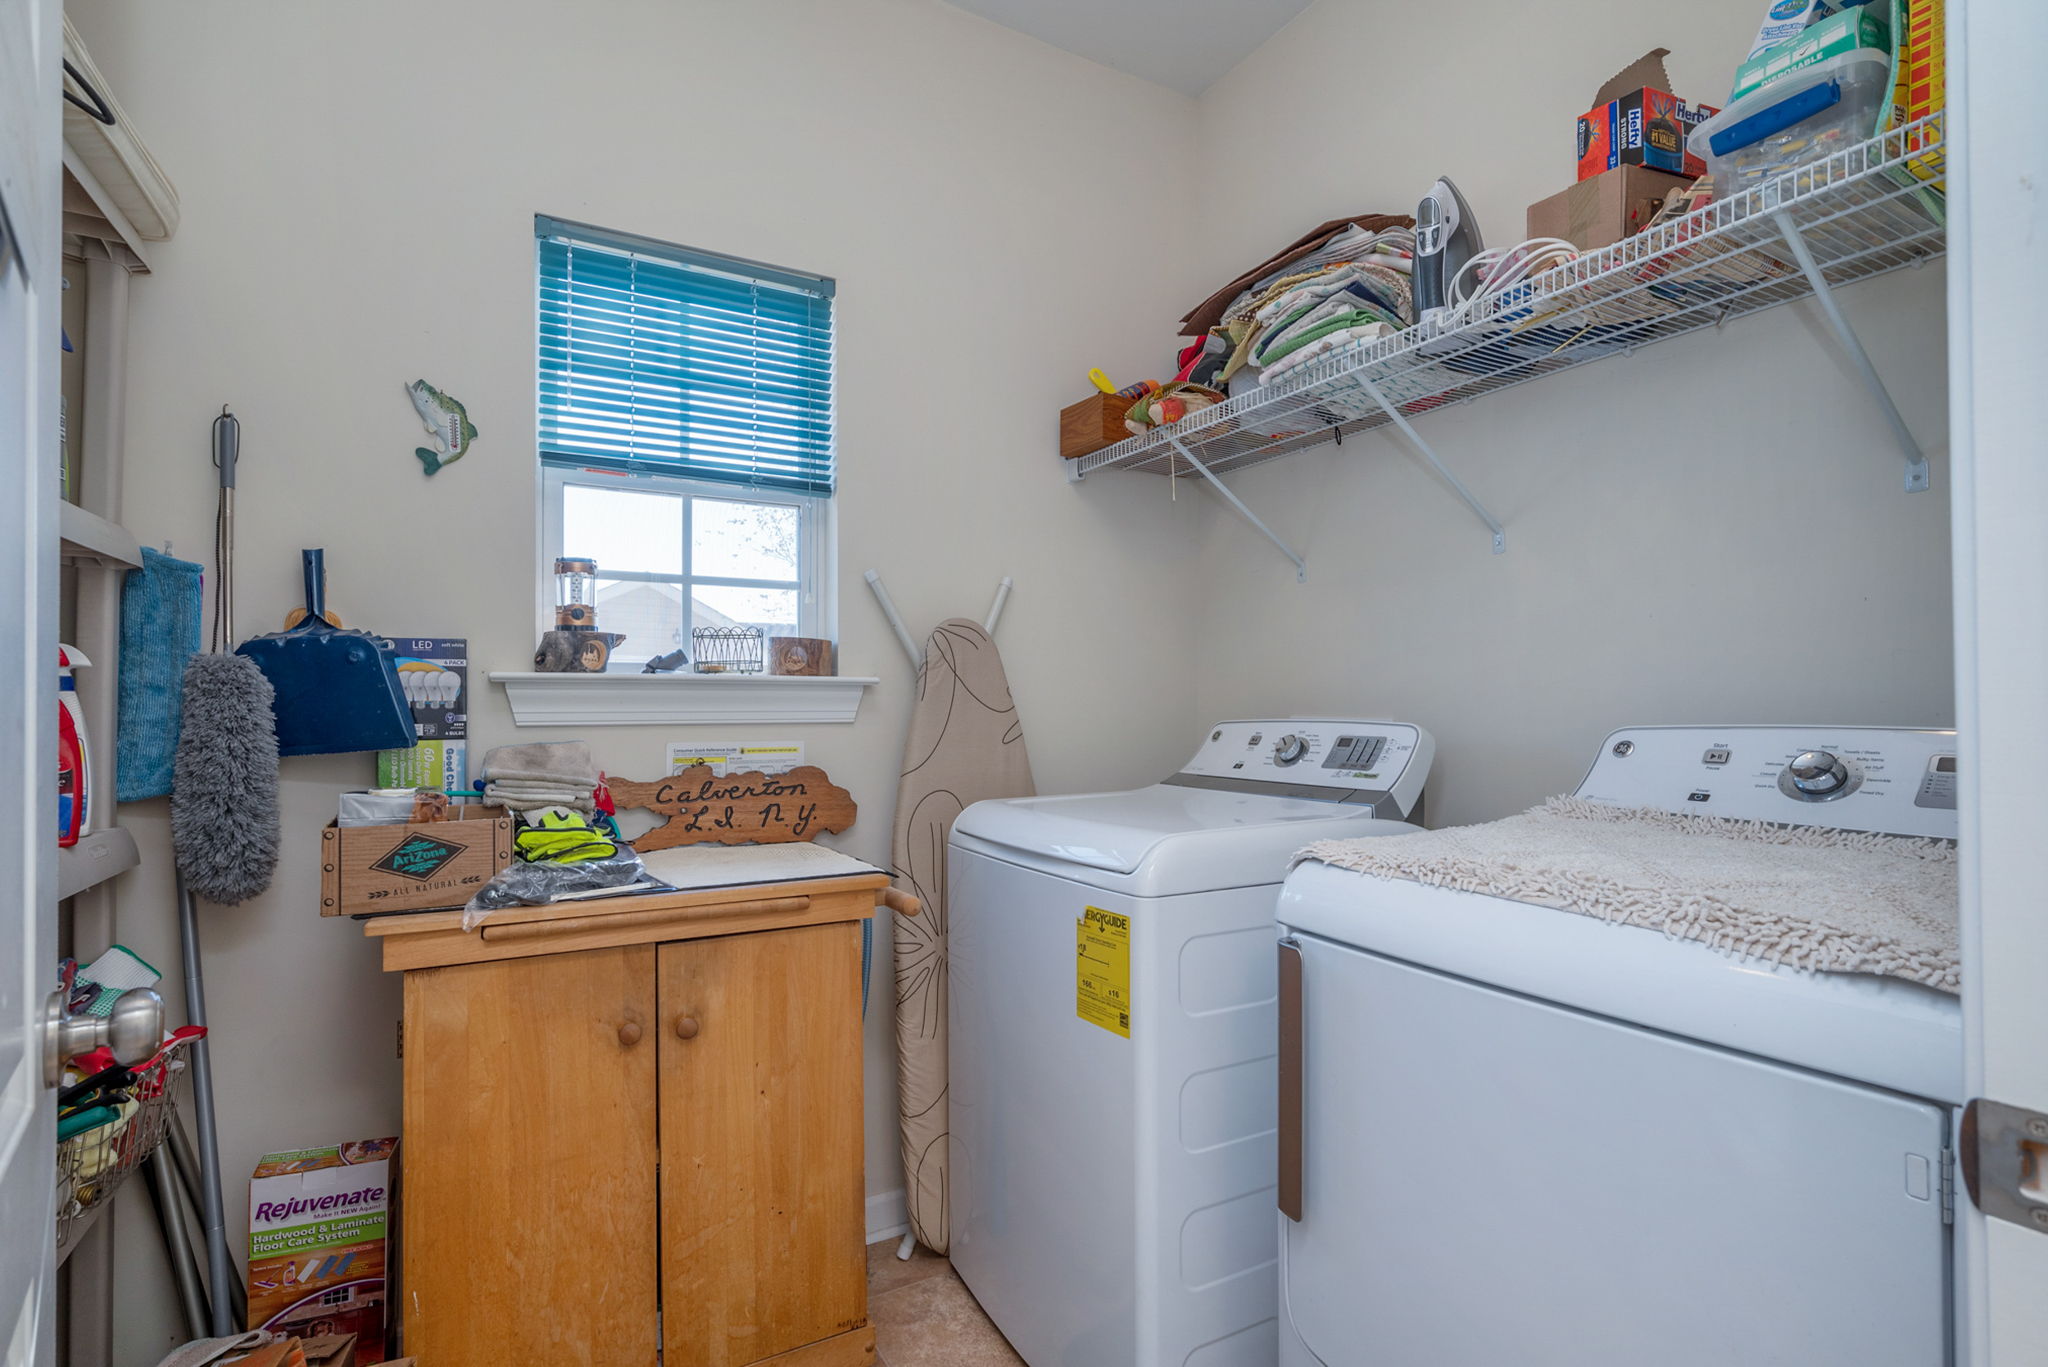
[{"x": 318, "y": 1242}]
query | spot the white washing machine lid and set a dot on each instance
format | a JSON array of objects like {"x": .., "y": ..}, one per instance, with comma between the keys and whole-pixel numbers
[
  {"x": 1882, "y": 1031},
  {"x": 1164, "y": 839}
]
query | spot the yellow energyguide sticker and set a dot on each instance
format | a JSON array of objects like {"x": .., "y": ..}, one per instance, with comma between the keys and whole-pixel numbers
[{"x": 1102, "y": 970}]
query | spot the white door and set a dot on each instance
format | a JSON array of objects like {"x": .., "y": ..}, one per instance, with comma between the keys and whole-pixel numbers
[
  {"x": 1490, "y": 1179},
  {"x": 30, "y": 162},
  {"x": 1998, "y": 388}
]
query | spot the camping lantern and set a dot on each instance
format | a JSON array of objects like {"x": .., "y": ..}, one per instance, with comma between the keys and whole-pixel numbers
[{"x": 576, "y": 595}]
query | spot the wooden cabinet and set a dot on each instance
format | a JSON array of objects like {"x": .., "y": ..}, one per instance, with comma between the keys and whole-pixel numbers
[{"x": 633, "y": 1134}]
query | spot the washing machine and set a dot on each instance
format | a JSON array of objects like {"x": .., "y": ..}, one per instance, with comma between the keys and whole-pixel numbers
[
  {"x": 1112, "y": 1046},
  {"x": 1515, "y": 1134}
]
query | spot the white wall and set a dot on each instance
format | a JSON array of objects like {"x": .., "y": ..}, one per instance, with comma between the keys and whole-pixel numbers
[
  {"x": 359, "y": 183},
  {"x": 1712, "y": 530}
]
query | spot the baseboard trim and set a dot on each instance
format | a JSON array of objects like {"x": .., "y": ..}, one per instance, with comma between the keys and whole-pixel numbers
[{"x": 888, "y": 1216}]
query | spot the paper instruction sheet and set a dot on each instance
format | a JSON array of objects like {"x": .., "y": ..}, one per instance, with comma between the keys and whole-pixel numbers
[{"x": 745, "y": 757}]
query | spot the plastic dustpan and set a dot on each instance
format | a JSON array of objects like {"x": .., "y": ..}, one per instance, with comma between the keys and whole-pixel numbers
[{"x": 337, "y": 690}]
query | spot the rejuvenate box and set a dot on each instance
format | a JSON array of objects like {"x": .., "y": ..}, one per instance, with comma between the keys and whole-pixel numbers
[{"x": 318, "y": 1242}]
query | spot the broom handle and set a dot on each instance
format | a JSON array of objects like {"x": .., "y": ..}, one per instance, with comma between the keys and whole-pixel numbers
[
  {"x": 315, "y": 565},
  {"x": 212, "y": 1218},
  {"x": 227, "y": 450}
]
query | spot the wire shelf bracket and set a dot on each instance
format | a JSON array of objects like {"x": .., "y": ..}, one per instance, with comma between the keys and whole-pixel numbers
[
  {"x": 1824, "y": 294},
  {"x": 1500, "y": 535},
  {"x": 1300, "y": 565}
]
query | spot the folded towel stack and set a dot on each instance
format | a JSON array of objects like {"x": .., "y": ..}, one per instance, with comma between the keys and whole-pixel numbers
[
  {"x": 1347, "y": 283},
  {"x": 523, "y": 778}
]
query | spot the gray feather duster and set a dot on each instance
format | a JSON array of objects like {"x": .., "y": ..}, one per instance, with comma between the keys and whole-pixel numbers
[{"x": 224, "y": 818}]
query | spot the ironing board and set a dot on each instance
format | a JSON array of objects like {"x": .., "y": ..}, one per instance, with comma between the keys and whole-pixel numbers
[{"x": 965, "y": 746}]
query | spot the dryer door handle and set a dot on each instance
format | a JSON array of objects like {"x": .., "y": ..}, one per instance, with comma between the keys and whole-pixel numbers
[{"x": 1290, "y": 1079}]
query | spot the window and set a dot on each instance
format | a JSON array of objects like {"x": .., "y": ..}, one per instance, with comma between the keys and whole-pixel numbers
[{"x": 685, "y": 436}]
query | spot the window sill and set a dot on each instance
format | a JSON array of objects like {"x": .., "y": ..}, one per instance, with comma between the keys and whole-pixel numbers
[{"x": 678, "y": 699}]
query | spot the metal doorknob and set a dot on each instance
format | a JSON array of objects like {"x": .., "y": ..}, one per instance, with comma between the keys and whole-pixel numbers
[
  {"x": 686, "y": 1027},
  {"x": 131, "y": 1032}
]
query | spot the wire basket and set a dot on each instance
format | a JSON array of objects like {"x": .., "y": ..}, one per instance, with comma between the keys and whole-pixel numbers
[
  {"x": 728, "y": 650},
  {"x": 91, "y": 1166}
]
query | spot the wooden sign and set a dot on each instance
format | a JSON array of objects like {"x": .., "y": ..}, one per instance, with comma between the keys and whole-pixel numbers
[{"x": 738, "y": 809}]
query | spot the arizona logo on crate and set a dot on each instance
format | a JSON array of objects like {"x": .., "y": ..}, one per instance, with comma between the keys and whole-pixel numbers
[
  {"x": 421, "y": 866},
  {"x": 419, "y": 857}
]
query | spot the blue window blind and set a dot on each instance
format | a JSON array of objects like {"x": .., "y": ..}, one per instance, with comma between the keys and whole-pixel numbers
[{"x": 659, "y": 359}]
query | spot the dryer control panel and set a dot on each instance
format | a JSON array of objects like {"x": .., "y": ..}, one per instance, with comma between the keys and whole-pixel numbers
[
  {"x": 1891, "y": 780},
  {"x": 1334, "y": 760}
]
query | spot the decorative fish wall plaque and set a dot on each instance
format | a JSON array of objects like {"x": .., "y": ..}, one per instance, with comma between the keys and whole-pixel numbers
[{"x": 447, "y": 420}]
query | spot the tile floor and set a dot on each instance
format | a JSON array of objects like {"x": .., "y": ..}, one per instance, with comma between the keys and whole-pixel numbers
[{"x": 925, "y": 1317}]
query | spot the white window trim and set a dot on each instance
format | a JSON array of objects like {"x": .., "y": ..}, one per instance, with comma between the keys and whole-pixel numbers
[{"x": 815, "y": 598}]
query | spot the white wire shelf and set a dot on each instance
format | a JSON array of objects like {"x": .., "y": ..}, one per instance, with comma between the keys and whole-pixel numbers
[{"x": 1860, "y": 213}]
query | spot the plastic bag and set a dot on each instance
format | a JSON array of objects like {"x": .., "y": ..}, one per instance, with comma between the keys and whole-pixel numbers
[{"x": 535, "y": 884}]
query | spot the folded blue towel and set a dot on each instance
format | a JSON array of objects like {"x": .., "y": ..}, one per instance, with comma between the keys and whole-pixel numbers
[{"x": 160, "y": 614}]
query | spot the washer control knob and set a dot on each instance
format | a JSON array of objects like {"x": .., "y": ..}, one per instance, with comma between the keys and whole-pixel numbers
[
  {"x": 1289, "y": 749},
  {"x": 1817, "y": 774}
]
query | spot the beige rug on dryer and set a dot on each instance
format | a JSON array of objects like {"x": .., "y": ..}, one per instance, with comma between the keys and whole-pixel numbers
[
  {"x": 1805, "y": 896},
  {"x": 965, "y": 746}
]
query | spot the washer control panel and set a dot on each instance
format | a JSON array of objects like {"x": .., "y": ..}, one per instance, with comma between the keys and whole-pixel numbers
[
  {"x": 1342, "y": 754},
  {"x": 1854, "y": 778}
]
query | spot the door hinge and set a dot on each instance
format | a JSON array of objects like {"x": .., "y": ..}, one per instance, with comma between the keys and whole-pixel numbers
[
  {"x": 1948, "y": 1186},
  {"x": 2004, "y": 1153},
  {"x": 401, "y": 1039}
]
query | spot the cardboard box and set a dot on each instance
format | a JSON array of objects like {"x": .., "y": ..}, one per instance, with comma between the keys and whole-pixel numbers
[
  {"x": 1095, "y": 422},
  {"x": 330, "y": 1350},
  {"x": 1846, "y": 32},
  {"x": 420, "y": 866},
  {"x": 434, "y": 671},
  {"x": 1636, "y": 121},
  {"x": 318, "y": 1242},
  {"x": 1602, "y": 211}
]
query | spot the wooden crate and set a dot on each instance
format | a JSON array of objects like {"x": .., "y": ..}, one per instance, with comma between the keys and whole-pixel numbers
[
  {"x": 1095, "y": 422},
  {"x": 420, "y": 866}
]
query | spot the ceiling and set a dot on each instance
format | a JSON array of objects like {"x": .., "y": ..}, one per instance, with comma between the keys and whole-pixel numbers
[{"x": 1181, "y": 44}]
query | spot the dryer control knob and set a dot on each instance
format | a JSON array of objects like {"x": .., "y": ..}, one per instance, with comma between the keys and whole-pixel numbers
[
  {"x": 1289, "y": 750},
  {"x": 1817, "y": 774}
]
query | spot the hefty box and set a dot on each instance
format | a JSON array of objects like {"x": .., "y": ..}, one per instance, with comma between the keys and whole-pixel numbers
[
  {"x": 318, "y": 1246},
  {"x": 1636, "y": 121}
]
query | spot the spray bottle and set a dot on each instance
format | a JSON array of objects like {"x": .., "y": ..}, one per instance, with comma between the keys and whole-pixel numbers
[{"x": 74, "y": 752}]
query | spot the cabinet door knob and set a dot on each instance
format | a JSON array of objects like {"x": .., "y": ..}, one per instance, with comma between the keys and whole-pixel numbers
[
  {"x": 686, "y": 1027},
  {"x": 629, "y": 1033}
]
